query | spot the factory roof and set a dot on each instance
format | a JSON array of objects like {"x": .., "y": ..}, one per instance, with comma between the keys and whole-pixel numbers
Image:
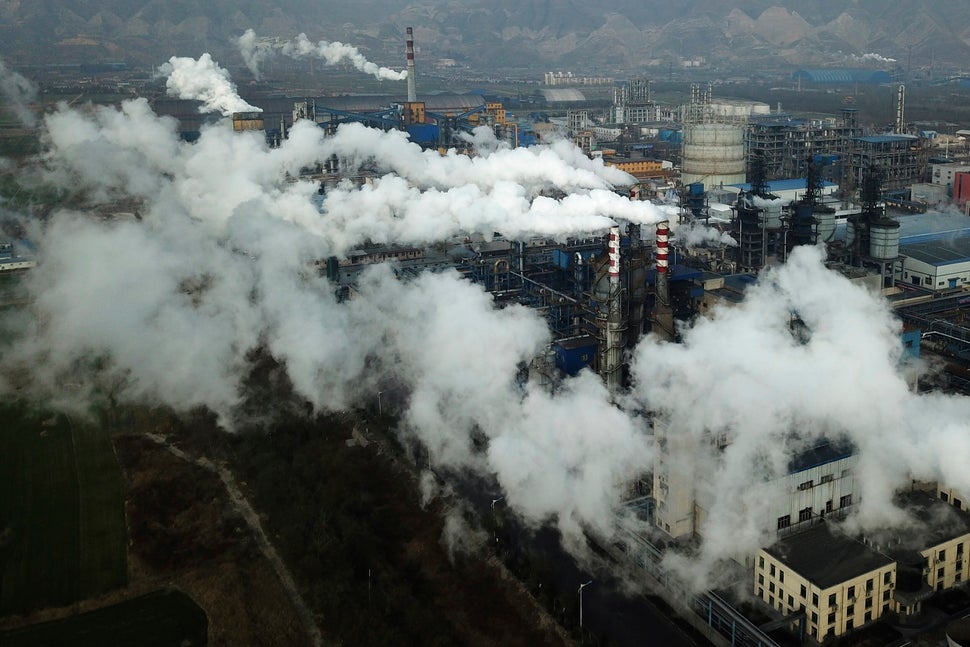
[
  {"x": 827, "y": 452},
  {"x": 843, "y": 75},
  {"x": 885, "y": 139},
  {"x": 826, "y": 558},
  {"x": 562, "y": 95},
  {"x": 938, "y": 521},
  {"x": 921, "y": 227},
  {"x": 943, "y": 251}
]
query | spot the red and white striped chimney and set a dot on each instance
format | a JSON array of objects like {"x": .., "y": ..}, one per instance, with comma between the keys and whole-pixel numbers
[
  {"x": 613, "y": 249},
  {"x": 412, "y": 87},
  {"x": 663, "y": 234}
]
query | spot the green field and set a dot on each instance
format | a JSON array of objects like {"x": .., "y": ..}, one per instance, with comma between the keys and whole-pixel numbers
[
  {"x": 62, "y": 523},
  {"x": 159, "y": 619}
]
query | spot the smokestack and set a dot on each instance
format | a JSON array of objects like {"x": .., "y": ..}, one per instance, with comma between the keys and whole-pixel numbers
[
  {"x": 412, "y": 87},
  {"x": 615, "y": 327},
  {"x": 663, "y": 315},
  {"x": 613, "y": 250},
  {"x": 663, "y": 234}
]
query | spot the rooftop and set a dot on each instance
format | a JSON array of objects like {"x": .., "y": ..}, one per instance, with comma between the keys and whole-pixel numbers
[
  {"x": 794, "y": 184},
  {"x": 938, "y": 252},
  {"x": 826, "y": 558},
  {"x": 827, "y": 452}
]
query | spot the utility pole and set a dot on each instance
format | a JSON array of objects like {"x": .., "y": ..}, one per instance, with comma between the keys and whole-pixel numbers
[{"x": 581, "y": 587}]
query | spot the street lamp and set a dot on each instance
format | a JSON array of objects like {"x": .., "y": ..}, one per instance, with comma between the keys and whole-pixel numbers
[
  {"x": 380, "y": 409},
  {"x": 581, "y": 587},
  {"x": 494, "y": 521}
]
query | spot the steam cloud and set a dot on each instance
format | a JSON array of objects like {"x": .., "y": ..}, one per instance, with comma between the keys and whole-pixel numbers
[
  {"x": 18, "y": 93},
  {"x": 255, "y": 51},
  {"x": 203, "y": 80},
  {"x": 221, "y": 260}
]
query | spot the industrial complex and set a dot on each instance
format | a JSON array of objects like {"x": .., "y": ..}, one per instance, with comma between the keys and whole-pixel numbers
[{"x": 739, "y": 187}]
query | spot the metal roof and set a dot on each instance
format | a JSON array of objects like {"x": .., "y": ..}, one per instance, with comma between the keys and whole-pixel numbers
[
  {"x": 793, "y": 184},
  {"x": 885, "y": 139},
  {"x": 844, "y": 75},
  {"x": 562, "y": 95},
  {"x": 945, "y": 251}
]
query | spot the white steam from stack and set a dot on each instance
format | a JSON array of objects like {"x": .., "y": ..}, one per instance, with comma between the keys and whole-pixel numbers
[
  {"x": 202, "y": 79},
  {"x": 255, "y": 51}
]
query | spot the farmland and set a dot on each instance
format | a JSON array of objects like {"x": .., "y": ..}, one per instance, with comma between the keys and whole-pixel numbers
[{"x": 62, "y": 524}]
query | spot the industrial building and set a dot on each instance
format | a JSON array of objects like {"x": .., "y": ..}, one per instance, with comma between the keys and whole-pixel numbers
[
  {"x": 784, "y": 143},
  {"x": 902, "y": 159},
  {"x": 834, "y": 583}
]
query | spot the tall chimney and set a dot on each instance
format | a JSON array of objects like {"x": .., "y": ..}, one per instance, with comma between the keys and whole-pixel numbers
[
  {"x": 663, "y": 234},
  {"x": 412, "y": 87}
]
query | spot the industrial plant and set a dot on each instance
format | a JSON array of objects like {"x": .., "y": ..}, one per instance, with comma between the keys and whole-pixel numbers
[{"x": 714, "y": 200}]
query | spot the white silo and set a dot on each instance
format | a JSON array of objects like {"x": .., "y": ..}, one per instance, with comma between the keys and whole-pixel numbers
[{"x": 713, "y": 154}]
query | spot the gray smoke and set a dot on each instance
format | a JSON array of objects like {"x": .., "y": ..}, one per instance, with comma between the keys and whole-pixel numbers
[{"x": 18, "y": 93}]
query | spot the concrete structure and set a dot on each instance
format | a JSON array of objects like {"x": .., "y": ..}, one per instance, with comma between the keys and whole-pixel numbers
[{"x": 714, "y": 154}]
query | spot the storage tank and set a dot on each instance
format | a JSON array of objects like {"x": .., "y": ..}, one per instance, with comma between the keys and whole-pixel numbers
[
  {"x": 884, "y": 239},
  {"x": 826, "y": 225},
  {"x": 713, "y": 154}
]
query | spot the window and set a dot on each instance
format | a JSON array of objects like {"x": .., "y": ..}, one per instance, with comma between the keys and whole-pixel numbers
[
  {"x": 771, "y": 600},
  {"x": 845, "y": 501},
  {"x": 887, "y": 577},
  {"x": 832, "y": 600},
  {"x": 831, "y": 619},
  {"x": 828, "y": 505},
  {"x": 807, "y": 485},
  {"x": 850, "y": 610},
  {"x": 868, "y": 603},
  {"x": 761, "y": 578},
  {"x": 885, "y": 595},
  {"x": 851, "y": 592},
  {"x": 784, "y": 522},
  {"x": 761, "y": 562},
  {"x": 957, "y": 503},
  {"x": 868, "y": 616},
  {"x": 885, "y": 608},
  {"x": 847, "y": 472},
  {"x": 869, "y": 584},
  {"x": 960, "y": 549},
  {"x": 814, "y": 599},
  {"x": 771, "y": 587},
  {"x": 772, "y": 570},
  {"x": 943, "y": 495},
  {"x": 761, "y": 593},
  {"x": 814, "y": 618},
  {"x": 781, "y": 576},
  {"x": 805, "y": 514},
  {"x": 791, "y": 601},
  {"x": 826, "y": 478},
  {"x": 939, "y": 572},
  {"x": 942, "y": 555},
  {"x": 802, "y": 592}
]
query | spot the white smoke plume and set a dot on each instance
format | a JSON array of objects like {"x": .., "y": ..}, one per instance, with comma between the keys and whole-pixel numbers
[
  {"x": 17, "y": 93},
  {"x": 743, "y": 374},
  {"x": 869, "y": 57},
  {"x": 699, "y": 235},
  {"x": 203, "y": 80},
  {"x": 165, "y": 308},
  {"x": 255, "y": 51}
]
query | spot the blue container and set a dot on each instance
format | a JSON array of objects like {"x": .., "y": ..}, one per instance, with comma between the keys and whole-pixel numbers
[
  {"x": 423, "y": 133},
  {"x": 575, "y": 354}
]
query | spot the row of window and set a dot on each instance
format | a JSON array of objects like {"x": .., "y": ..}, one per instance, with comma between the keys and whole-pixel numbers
[
  {"x": 826, "y": 478},
  {"x": 805, "y": 514},
  {"x": 957, "y": 503}
]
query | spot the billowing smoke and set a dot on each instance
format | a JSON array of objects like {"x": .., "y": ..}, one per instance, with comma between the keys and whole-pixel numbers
[
  {"x": 744, "y": 376},
  {"x": 18, "y": 93},
  {"x": 221, "y": 259},
  {"x": 203, "y": 80},
  {"x": 254, "y": 51}
]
